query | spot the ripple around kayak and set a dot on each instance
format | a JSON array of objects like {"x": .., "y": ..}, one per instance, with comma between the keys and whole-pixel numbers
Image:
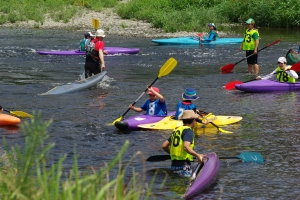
[
  {"x": 195, "y": 41},
  {"x": 110, "y": 50},
  {"x": 77, "y": 86},
  {"x": 267, "y": 86}
]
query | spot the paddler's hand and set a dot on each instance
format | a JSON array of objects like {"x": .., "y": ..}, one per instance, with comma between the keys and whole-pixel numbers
[
  {"x": 103, "y": 66},
  {"x": 201, "y": 158},
  {"x": 105, "y": 52}
]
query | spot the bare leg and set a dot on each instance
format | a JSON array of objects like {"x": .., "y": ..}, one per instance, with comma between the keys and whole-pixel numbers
[
  {"x": 256, "y": 68},
  {"x": 250, "y": 68}
]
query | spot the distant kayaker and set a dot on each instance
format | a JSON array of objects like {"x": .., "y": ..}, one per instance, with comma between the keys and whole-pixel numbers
[
  {"x": 187, "y": 102},
  {"x": 212, "y": 34},
  {"x": 250, "y": 45},
  {"x": 94, "y": 60},
  {"x": 282, "y": 73},
  {"x": 1, "y": 109},
  {"x": 155, "y": 105},
  {"x": 85, "y": 41},
  {"x": 181, "y": 144}
]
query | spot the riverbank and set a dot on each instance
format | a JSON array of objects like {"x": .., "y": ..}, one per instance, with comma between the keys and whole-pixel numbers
[{"x": 110, "y": 22}]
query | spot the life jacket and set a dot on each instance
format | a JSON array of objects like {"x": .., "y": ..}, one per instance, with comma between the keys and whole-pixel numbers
[
  {"x": 91, "y": 51},
  {"x": 249, "y": 42},
  {"x": 177, "y": 151},
  {"x": 215, "y": 34},
  {"x": 284, "y": 77},
  {"x": 82, "y": 44}
]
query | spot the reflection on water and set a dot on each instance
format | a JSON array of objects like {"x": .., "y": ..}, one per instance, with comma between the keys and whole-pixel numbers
[{"x": 270, "y": 121}]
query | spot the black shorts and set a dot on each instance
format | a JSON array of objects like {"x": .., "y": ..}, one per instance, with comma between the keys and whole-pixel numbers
[
  {"x": 252, "y": 59},
  {"x": 90, "y": 70}
]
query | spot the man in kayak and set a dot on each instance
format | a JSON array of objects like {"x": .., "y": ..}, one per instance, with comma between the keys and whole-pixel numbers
[
  {"x": 250, "y": 45},
  {"x": 212, "y": 34},
  {"x": 282, "y": 73},
  {"x": 155, "y": 105},
  {"x": 181, "y": 144},
  {"x": 94, "y": 59}
]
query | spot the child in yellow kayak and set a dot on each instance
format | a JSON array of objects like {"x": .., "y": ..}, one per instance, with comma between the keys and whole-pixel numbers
[{"x": 187, "y": 103}]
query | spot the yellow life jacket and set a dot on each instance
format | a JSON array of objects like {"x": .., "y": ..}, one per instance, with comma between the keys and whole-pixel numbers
[
  {"x": 249, "y": 42},
  {"x": 177, "y": 151},
  {"x": 284, "y": 77}
]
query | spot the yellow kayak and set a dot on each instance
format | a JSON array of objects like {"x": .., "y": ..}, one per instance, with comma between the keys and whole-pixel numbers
[{"x": 169, "y": 123}]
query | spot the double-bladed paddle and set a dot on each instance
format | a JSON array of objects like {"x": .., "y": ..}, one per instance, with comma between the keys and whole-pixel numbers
[
  {"x": 244, "y": 156},
  {"x": 229, "y": 67},
  {"x": 231, "y": 85},
  {"x": 164, "y": 70},
  {"x": 20, "y": 114}
]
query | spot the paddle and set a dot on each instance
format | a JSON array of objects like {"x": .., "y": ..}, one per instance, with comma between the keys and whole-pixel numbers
[
  {"x": 244, "y": 156},
  {"x": 231, "y": 85},
  {"x": 164, "y": 70},
  {"x": 95, "y": 23},
  {"x": 20, "y": 114},
  {"x": 219, "y": 129},
  {"x": 229, "y": 67}
]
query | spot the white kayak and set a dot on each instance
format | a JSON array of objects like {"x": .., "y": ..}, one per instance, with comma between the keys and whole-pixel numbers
[{"x": 77, "y": 86}]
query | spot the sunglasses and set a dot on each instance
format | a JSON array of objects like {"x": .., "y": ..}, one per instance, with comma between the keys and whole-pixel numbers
[{"x": 279, "y": 63}]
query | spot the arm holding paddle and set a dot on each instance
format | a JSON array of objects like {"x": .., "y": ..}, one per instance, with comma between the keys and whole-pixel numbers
[{"x": 287, "y": 74}]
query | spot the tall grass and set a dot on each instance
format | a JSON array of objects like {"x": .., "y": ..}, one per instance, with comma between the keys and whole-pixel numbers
[
  {"x": 26, "y": 173},
  {"x": 187, "y": 15},
  {"x": 170, "y": 15},
  {"x": 58, "y": 10}
]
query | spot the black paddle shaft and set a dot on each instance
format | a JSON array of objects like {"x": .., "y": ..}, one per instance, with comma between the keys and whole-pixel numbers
[{"x": 257, "y": 51}]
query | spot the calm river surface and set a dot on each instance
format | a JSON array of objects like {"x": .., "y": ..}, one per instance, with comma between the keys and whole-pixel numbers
[{"x": 270, "y": 122}]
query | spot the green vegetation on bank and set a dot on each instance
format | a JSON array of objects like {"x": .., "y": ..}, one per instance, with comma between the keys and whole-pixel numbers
[
  {"x": 170, "y": 15},
  {"x": 187, "y": 15},
  {"x": 26, "y": 173},
  {"x": 13, "y": 10}
]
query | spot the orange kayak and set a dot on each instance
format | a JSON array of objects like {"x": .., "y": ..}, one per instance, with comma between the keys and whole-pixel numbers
[{"x": 8, "y": 120}]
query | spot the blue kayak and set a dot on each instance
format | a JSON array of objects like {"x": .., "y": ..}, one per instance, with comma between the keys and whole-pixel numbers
[{"x": 195, "y": 41}]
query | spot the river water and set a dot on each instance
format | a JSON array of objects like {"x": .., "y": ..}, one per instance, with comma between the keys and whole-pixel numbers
[{"x": 270, "y": 122}]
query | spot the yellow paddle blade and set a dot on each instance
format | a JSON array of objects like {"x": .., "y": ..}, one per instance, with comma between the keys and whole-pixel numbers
[
  {"x": 117, "y": 120},
  {"x": 223, "y": 131},
  {"x": 95, "y": 23},
  {"x": 20, "y": 114},
  {"x": 167, "y": 67}
]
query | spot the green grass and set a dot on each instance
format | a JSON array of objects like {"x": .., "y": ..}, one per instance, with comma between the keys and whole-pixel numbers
[
  {"x": 170, "y": 15},
  {"x": 27, "y": 173}
]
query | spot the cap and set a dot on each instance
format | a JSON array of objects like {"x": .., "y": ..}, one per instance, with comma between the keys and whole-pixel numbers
[
  {"x": 100, "y": 33},
  {"x": 282, "y": 60},
  {"x": 189, "y": 114},
  {"x": 211, "y": 24},
  {"x": 155, "y": 89},
  {"x": 250, "y": 21}
]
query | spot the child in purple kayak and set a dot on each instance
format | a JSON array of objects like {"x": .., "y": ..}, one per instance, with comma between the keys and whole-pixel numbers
[{"x": 155, "y": 105}]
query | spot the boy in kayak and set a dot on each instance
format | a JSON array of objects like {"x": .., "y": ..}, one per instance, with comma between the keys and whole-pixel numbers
[
  {"x": 212, "y": 34},
  {"x": 250, "y": 45},
  {"x": 181, "y": 144},
  {"x": 155, "y": 105},
  {"x": 187, "y": 103},
  {"x": 282, "y": 73}
]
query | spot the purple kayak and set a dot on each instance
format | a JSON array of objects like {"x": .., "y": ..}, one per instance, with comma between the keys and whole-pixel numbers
[
  {"x": 267, "y": 86},
  {"x": 205, "y": 177},
  {"x": 132, "y": 123},
  {"x": 110, "y": 50}
]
